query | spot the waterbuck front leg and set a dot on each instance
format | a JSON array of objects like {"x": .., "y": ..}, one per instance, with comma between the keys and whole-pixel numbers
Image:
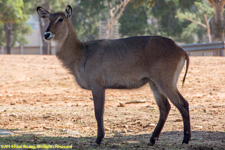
[
  {"x": 164, "y": 108},
  {"x": 98, "y": 93}
]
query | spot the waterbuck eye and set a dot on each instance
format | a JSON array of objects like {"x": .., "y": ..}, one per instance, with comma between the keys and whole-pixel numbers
[{"x": 60, "y": 20}]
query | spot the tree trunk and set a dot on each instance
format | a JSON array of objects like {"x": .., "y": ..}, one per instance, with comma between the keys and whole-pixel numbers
[
  {"x": 208, "y": 28},
  {"x": 218, "y": 6},
  {"x": 43, "y": 24},
  {"x": 219, "y": 21},
  {"x": 113, "y": 14},
  {"x": 8, "y": 29}
]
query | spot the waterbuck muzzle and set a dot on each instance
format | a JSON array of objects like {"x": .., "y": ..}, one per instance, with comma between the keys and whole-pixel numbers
[{"x": 48, "y": 35}]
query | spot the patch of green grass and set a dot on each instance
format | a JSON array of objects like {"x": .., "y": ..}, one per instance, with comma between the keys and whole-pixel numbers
[{"x": 110, "y": 142}]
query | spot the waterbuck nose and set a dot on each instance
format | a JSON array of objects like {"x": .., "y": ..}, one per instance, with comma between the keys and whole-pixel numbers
[{"x": 48, "y": 35}]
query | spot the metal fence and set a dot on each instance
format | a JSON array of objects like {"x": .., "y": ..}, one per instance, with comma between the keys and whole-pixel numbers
[{"x": 203, "y": 49}]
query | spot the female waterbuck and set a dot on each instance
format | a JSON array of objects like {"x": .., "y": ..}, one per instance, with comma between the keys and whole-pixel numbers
[{"x": 121, "y": 64}]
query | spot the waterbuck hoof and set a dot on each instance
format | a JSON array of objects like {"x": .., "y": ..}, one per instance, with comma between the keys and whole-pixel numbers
[
  {"x": 94, "y": 145},
  {"x": 98, "y": 141},
  {"x": 152, "y": 142},
  {"x": 186, "y": 140}
]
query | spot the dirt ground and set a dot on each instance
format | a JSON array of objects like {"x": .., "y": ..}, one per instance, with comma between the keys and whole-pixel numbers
[{"x": 41, "y": 104}]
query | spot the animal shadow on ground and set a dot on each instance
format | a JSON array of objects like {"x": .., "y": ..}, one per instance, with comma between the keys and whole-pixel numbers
[{"x": 201, "y": 140}]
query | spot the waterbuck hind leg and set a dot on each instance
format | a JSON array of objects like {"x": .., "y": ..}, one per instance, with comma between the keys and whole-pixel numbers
[
  {"x": 164, "y": 108},
  {"x": 186, "y": 118},
  {"x": 98, "y": 93},
  {"x": 182, "y": 105}
]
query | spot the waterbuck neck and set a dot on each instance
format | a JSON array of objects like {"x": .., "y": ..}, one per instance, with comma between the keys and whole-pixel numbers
[{"x": 69, "y": 50}]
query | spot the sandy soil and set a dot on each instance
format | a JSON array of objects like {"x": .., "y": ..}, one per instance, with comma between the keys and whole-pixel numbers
[{"x": 38, "y": 96}]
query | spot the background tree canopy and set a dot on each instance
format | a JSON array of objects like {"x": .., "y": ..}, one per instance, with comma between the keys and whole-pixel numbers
[
  {"x": 11, "y": 10},
  {"x": 13, "y": 23},
  {"x": 138, "y": 16},
  {"x": 185, "y": 21}
]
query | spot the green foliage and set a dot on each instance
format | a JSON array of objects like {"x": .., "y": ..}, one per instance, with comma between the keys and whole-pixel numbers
[
  {"x": 140, "y": 17},
  {"x": 186, "y": 4},
  {"x": 148, "y": 3},
  {"x": 11, "y": 10},
  {"x": 191, "y": 33},
  {"x": 55, "y": 5},
  {"x": 133, "y": 21},
  {"x": 2, "y": 35},
  {"x": 86, "y": 16},
  {"x": 170, "y": 19},
  {"x": 196, "y": 13},
  {"x": 19, "y": 31},
  {"x": 165, "y": 11}
]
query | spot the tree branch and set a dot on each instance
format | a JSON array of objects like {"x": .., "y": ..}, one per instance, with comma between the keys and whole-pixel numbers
[
  {"x": 208, "y": 28},
  {"x": 113, "y": 18},
  {"x": 110, "y": 9},
  {"x": 118, "y": 8},
  {"x": 197, "y": 22}
]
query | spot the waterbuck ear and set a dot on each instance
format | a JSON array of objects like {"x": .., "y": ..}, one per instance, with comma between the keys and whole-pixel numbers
[
  {"x": 43, "y": 13},
  {"x": 68, "y": 11}
]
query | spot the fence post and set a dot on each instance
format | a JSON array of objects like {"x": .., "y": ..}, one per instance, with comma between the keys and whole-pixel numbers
[
  {"x": 41, "y": 46},
  {"x": 21, "y": 49},
  {"x": 222, "y": 50},
  {"x": 2, "y": 49}
]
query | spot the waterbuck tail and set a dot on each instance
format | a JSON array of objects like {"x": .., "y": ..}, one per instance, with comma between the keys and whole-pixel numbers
[{"x": 187, "y": 66}]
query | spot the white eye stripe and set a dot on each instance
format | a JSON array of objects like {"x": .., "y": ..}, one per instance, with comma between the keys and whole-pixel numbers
[{"x": 58, "y": 19}]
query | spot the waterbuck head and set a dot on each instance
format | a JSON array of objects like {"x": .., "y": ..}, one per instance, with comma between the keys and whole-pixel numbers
[{"x": 58, "y": 23}]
